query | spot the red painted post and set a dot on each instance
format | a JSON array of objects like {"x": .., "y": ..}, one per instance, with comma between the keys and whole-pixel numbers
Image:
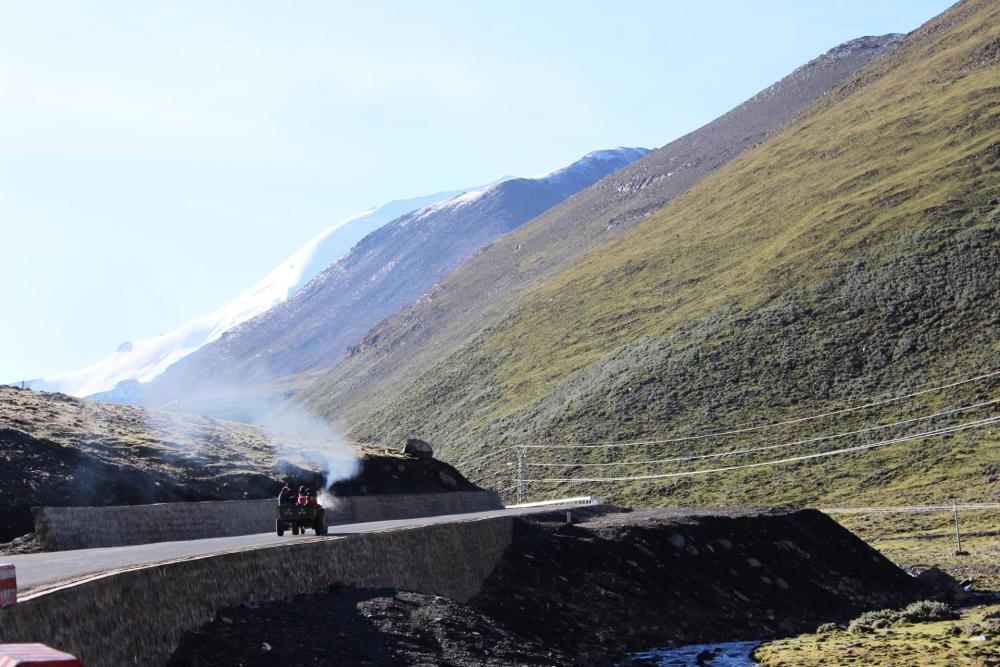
[
  {"x": 8, "y": 585},
  {"x": 35, "y": 655}
]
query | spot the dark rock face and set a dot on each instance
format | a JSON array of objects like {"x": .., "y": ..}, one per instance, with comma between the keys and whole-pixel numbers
[
  {"x": 384, "y": 365},
  {"x": 386, "y": 270},
  {"x": 391, "y": 473}
]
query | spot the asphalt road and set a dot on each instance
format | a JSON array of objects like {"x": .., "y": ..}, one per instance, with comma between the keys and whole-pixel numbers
[{"x": 36, "y": 572}]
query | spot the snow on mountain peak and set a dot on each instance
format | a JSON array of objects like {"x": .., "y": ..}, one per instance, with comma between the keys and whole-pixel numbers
[
  {"x": 144, "y": 359},
  {"x": 626, "y": 154},
  {"x": 588, "y": 161}
]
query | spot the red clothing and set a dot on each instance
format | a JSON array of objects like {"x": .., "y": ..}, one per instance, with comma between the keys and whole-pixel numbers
[
  {"x": 302, "y": 500},
  {"x": 313, "y": 501}
]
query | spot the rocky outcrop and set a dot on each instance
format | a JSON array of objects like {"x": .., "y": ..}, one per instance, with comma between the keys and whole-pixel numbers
[{"x": 417, "y": 448}]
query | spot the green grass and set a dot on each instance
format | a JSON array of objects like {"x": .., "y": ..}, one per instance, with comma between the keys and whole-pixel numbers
[
  {"x": 972, "y": 640},
  {"x": 854, "y": 254},
  {"x": 775, "y": 218},
  {"x": 922, "y": 540}
]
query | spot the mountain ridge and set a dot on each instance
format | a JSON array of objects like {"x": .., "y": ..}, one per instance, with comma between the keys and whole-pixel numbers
[
  {"x": 119, "y": 377},
  {"x": 386, "y": 269},
  {"x": 476, "y": 295}
]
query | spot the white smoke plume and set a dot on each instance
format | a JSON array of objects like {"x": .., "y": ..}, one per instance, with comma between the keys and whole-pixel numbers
[{"x": 300, "y": 435}]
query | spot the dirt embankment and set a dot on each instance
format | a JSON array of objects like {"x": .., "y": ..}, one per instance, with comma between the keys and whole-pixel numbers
[
  {"x": 58, "y": 450},
  {"x": 590, "y": 593},
  {"x": 359, "y": 627}
]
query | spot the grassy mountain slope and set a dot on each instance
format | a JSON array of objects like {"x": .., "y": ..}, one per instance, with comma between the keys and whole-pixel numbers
[
  {"x": 479, "y": 293},
  {"x": 854, "y": 254}
]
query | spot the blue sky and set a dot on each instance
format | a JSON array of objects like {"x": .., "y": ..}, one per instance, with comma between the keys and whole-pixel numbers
[{"x": 158, "y": 158}]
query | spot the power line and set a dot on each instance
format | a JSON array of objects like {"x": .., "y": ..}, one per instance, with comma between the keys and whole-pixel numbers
[
  {"x": 746, "y": 429},
  {"x": 760, "y": 427},
  {"x": 751, "y": 450},
  {"x": 805, "y": 457}
]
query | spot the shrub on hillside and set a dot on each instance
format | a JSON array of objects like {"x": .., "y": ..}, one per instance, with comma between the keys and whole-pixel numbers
[
  {"x": 872, "y": 620},
  {"x": 827, "y": 627},
  {"x": 926, "y": 611}
]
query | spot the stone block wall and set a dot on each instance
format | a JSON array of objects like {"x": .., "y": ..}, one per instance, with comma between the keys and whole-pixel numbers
[
  {"x": 62, "y": 528},
  {"x": 137, "y": 617}
]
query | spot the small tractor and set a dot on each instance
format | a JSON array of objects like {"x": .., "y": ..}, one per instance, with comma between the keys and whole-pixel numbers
[{"x": 298, "y": 518}]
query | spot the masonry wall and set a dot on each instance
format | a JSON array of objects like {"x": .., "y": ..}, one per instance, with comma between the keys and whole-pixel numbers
[
  {"x": 62, "y": 528},
  {"x": 137, "y": 617}
]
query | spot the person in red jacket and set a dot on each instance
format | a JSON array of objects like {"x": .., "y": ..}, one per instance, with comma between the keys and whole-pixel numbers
[{"x": 303, "y": 496}]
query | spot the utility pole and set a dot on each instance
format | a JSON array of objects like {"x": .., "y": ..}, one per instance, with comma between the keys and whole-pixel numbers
[
  {"x": 958, "y": 533},
  {"x": 522, "y": 485}
]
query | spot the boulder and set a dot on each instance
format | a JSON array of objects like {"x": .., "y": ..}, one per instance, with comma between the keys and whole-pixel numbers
[
  {"x": 417, "y": 449},
  {"x": 944, "y": 585},
  {"x": 447, "y": 480}
]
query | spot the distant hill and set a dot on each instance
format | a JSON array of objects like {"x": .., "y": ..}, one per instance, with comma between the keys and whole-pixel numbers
[
  {"x": 62, "y": 451},
  {"x": 386, "y": 270},
  {"x": 853, "y": 255},
  {"x": 480, "y": 293},
  {"x": 118, "y": 377}
]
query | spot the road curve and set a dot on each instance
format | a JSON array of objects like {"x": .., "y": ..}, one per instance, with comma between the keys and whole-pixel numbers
[{"x": 39, "y": 572}]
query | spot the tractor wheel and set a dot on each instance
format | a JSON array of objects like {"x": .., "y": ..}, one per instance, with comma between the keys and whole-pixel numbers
[
  {"x": 320, "y": 526},
  {"x": 279, "y": 528},
  {"x": 295, "y": 530}
]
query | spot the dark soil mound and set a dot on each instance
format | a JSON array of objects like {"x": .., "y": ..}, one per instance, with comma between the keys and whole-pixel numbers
[
  {"x": 391, "y": 473},
  {"x": 358, "y": 627},
  {"x": 652, "y": 577}
]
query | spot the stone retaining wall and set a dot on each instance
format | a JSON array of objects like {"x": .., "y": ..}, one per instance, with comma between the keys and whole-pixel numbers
[
  {"x": 137, "y": 617},
  {"x": 62, "y": 528}
]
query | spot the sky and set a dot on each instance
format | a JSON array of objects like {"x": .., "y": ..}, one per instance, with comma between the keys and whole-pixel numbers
[{"x": 156, "y": 159}]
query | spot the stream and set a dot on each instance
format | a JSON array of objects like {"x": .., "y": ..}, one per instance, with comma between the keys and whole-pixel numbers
[{"x": 726, "y": 654}]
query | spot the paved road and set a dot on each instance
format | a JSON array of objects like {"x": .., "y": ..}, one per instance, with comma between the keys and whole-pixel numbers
[{"x": 36, "y": 572}]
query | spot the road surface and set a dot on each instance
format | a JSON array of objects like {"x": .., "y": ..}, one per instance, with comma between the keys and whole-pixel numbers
[{"x": 37, "y": 572}]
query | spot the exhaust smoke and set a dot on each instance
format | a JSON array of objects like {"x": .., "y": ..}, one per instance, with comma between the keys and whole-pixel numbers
[{"x": 299, "y": 434}]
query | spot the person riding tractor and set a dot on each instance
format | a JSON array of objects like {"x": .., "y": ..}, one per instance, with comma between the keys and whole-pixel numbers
[{"x": 300, "y": 512}]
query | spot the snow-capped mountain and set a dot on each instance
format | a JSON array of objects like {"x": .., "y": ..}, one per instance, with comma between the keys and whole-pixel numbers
[
  {"x": 142, "y": 360},
  {"x": 385, "y": 271}
]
